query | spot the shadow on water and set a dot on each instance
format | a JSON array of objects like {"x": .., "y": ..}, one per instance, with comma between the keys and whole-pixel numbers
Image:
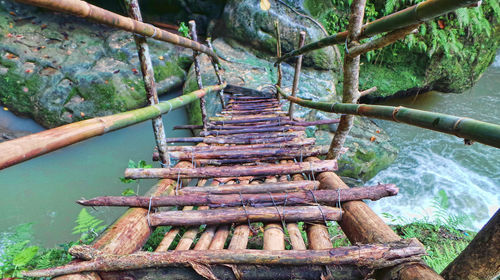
[
  {"x": 44, "y": 190},
  {"x": 430, "y": 161}
]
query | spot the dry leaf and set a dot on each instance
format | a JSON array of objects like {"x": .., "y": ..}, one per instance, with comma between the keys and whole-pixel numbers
[
  {"x": 265, "y": 5},
  {"x": 372, "y": 138}
]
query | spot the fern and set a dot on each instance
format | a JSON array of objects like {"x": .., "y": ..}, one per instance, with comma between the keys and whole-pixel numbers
[{"x": 86, "y": 223}]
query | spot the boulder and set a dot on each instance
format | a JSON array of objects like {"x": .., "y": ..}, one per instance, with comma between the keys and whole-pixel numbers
[
  {"x": 245, "y": 22},
  {"x": 58, "y": 68}
]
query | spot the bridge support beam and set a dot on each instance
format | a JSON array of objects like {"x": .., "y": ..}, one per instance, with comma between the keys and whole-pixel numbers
[
  {"x": 362, "y": 225},
  {"x": 149, "y": 81}
]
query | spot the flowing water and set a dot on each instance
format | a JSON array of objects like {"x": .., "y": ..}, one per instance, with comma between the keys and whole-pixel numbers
[
  {"x": 43, "y": 190},
  {"x": 429, "y": 161}
]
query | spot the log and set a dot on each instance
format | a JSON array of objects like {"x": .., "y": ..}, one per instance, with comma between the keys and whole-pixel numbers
[
  {"x": 302, "y": 142},
  {"x": 361, "y": 225},
  {"x": 85, "y": 10},
  {"x": 296, "y": 76},
  {"x": 278, "y": 55},
  {"x": 247, "y": 188},
  {"x": 275, "y": 120},
  {"x": 481, "y": 258},
  {"x": 217, "y": 121},
  {"x": 232, "y": 171},
  {"x": 372, "y": 256},
  {"x": 327, "y": 197},
  {"x": 28, "y": 147},
  {"x": 252, "y": 130},
  {"x": 285, "y": 152},
  {"x": 243, "y": 215},
  {"x": 218, "y": 74},
  {"x": 149, "y": 81},
  {"x": 197, "y": 71}
]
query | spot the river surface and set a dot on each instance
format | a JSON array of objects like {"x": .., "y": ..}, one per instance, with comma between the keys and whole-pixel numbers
[
  {"x": 43, "y": 190},
  {"x": 429, "y": 161}
]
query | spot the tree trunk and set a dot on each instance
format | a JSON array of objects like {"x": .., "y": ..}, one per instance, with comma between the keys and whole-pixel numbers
[
  {"x": 481, "y": 259},
  {"x": 351, "y": 78}
]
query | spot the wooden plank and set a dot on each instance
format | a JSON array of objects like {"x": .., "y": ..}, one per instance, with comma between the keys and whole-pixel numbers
[{"x": 232, "y": 171}]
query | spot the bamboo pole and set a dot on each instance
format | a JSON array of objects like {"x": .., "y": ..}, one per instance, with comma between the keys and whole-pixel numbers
[
  {"x": 470, "y": 129},
  {"x": 384, "y": 41},
  {"x": 278, "y": 55},
  {"x": 85, "y": 10},
  {"x": 350, "y": 92},
  {"x": 27, "y": 147},
  {"x": 415, "y": 14},
  {"x": 197, "y": 71},
  {"x": 373, "y": 256},
  {"x": 296, "y": 76},
  {"x": 231, "y": 171},
  {"x": 218, "y": 74},
  {"x": 149, "y": 82}
]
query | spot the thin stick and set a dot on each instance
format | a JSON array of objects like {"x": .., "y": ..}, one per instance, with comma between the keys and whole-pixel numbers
[{"x": 296, "y": 76}]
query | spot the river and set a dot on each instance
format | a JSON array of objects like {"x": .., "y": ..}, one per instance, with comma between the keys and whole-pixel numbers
[
  {"x": 429, "y": 161},
  {"x": 43, "y": 190}
]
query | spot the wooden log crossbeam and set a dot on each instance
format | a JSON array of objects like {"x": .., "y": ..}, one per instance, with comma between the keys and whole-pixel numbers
[
  {"x": 285, "y": 152},
  {"x": 235, "y": 140},
  {"x": 327, "y": 197},
  {"x": 249, "y": 188},
  {"x": 243, "y": 215},
  {"x": 374, "y": 256},
  {"x": 252, "y": 130},
  {"x": 231, "y": 171},
  {"x": 302, "y": 142}
]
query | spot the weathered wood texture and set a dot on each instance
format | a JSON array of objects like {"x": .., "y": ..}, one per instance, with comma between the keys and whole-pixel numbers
[
  {"x": 242, "y": 215},
  {"x": 327, "y": 197},
  {"x": 362, "y": 225},
  {"x": 232, "y": 171},
  {"x": 248, "y": 188},
  {"x": 481, "y": 258},
  {"x": 197, "y": 71},
  {"x": 149, "y": 81},
  {"x": 296, "y": 76},
  {"x": 373, "y": 256}
]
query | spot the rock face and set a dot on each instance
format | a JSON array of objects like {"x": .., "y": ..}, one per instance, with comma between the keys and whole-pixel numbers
[
  {"x": 245, "y": 22},
  {"x": 366, "y": 155},
  {"x": 58, "y": 69}
]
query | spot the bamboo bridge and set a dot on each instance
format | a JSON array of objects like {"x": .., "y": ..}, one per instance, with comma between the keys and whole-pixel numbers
[{"x": 252, "y": 172}]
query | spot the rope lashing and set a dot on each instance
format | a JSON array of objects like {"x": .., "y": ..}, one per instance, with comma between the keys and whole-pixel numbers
[
  {"x": 248, "y": 216},
  {"x": 339, "y": 205},
  {"x": 149, "y": 210},
  {"x": 319, "y": 207},
  {"x": 394, "y": 112}
]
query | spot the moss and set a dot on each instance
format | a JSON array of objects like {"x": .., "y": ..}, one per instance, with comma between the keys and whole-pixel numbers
[
  {"x": 18, "y": 91},
  {"x": 163, "y": 72},
  {"x": 121, "y": 56}
]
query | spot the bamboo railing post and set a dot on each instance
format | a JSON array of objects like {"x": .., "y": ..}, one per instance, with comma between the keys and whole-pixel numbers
[
  {"x": 218, "y": 74},
  {"x": 149, "y": 82},
  {"x": 350, "y": 92},
  {"x": 296, "y": 76},
  {"x": 197, "y": 70},
  {"x": 278, "y": 55}
]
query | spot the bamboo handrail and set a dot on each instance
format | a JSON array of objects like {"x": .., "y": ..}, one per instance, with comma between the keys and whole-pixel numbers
[
  {"x": 28, "y": 147},
  {"x": 85, "y": 10},
  {"x": 469, "y": 129},
  {"x": 415, "y": 14}
]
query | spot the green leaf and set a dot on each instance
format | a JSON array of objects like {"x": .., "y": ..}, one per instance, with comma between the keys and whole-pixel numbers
[
  {"x": 86, "y": 223},
  {"x": 128, "y": 192},
  {"x": 131, "y": 164},
  {"x": 25, "y": 256}
]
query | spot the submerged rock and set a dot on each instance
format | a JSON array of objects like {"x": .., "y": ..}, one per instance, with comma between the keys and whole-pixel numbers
[
  {"x": 58, "y": 68},
  {"x": 366, "y": 155}
]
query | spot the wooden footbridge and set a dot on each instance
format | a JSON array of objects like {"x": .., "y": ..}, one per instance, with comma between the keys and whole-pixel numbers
[{"x": 252, "y": 175}]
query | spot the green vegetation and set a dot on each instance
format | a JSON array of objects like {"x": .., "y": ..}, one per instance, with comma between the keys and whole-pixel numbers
[
  {"x": 444, "y": 47},
  {"x": 184, "y": 30},
  {"x": 17, "y": 252},
  {"x": 169, "y": 69}
]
